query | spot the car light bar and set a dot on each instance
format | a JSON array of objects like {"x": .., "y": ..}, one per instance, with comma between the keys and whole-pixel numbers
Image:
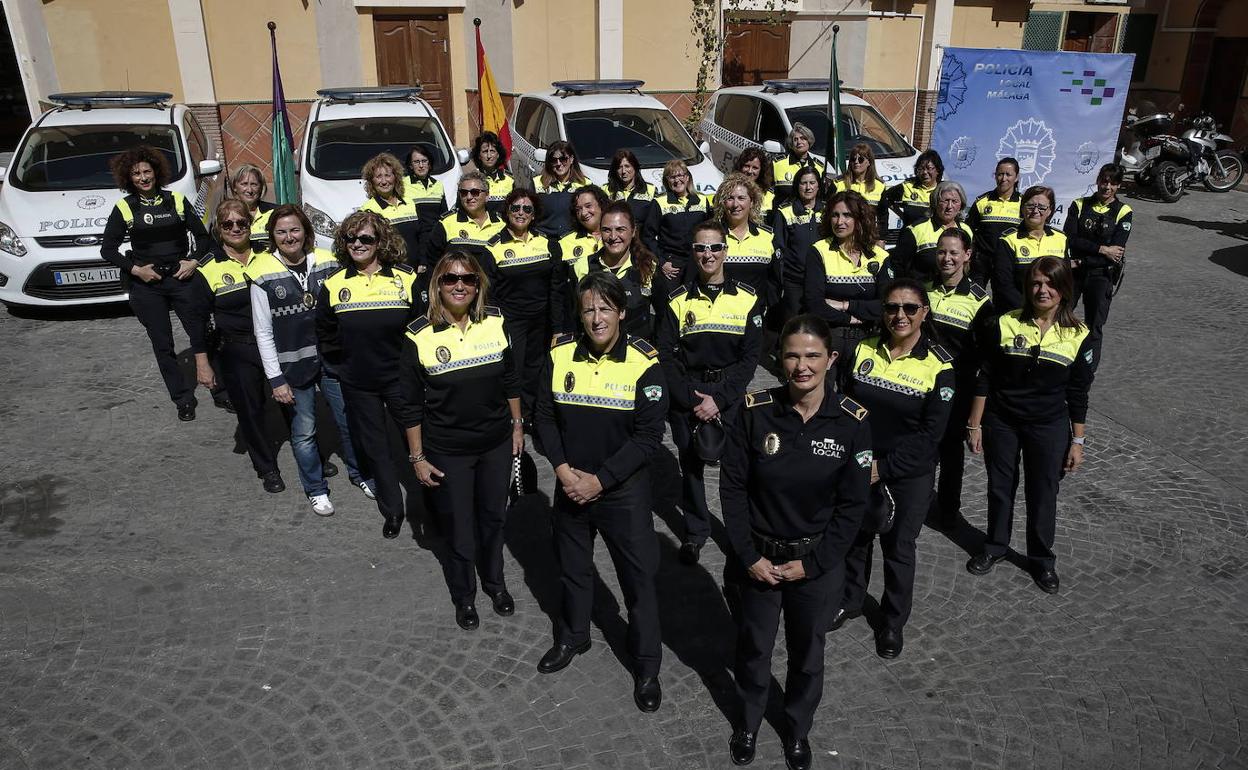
[
  {"x": 590, "y": 86},
  {"x": 88, "y": 99},
  {"x": 798, "y": 84},
  {"x": 370, "y": 93}
]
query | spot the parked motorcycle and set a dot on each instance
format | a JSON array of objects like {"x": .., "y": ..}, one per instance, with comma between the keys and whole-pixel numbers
[
  {"x": 1200, "y": 155},
  {"x": 1143, "y": 154}
]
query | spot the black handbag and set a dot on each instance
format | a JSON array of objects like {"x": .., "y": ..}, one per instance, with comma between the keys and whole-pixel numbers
[
  {"x": 709, "y": 439},
  {"x": 881, "y": 510},
  {"x": 523, "y": 479}
]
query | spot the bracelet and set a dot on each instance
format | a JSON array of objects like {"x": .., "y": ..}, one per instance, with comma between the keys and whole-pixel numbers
[
  {"x": 517, "y": 421},
  {"x": 420, "y": 458},
  {"x": 973, "y": 427},
  {"x": 1077, "y": 440}
]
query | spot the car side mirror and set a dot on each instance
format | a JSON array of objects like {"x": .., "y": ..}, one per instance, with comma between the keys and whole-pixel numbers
[
  {"x": 704, "y": 147},
  {"x": 772, "y": 147},
  {"x": 463, "y": 156},
  {"x": 209, "y": 167},
  {"x": 539, "y": 155}
]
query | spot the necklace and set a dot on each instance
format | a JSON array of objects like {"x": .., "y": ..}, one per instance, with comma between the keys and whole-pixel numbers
[{"x": 309, "y": 301}]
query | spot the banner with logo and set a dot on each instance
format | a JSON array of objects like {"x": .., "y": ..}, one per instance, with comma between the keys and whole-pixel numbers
[{"x": 1057, "y": 112}]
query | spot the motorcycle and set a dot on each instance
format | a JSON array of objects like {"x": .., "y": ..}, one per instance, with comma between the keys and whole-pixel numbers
[
  {"x": 1140, "y": 158},
  {"x": 1200, "y": 155}
]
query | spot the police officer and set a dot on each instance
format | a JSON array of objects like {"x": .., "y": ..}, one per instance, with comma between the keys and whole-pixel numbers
[
  {"x": 914, "y": 256},
  {"x": 490, "y": 157},
  {"x": 220, "y": 297},
  {"x": 1019, "y": 247},
  {"x": 247, "y": 185},
  {"x": 519, "y": 268},
  {"x": 680, "y": 208},
  {"x": 911, "y": 199},
  {"x": 585, "y": 238},
  {"x": 709, "y": 336},
  {"x": 383, "y": 184},
  {"x": 905, "y": 379},
  {"x": 752, "y": 255},
  {"x": 755, "y": 164},
  {"x": 1032, "y": 400},
  {"x": 600, "y": 418},
  {"x": 624, "y": 183},
  {"x": 627, "y": 258},
  {"x": 784, "y": 170},
  {"x": 991, "y": 215},
  {"x": 361, "y": 314},
  {"x": 860, "y": 177},
  {"x": 1097, "y": 228},
  {"x": 560, "y": 179},
  {"x": 845, "y": 271},
  {"x": 796, "y": 228},
  {"x": 427, "y": 194},
  {"x": 468, "y": 227},
  {"x": 462, "y": 398},
  {"x": 167, "y": 240},
  {"x": 794, "y": 484},
  {"x": 961, "y": 310}
]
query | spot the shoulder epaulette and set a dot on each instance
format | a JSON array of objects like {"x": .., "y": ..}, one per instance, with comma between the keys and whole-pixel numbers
[
  {"x": 496, "y": 239},
  {"x": 403, "y": 268},
  {"x": 418, "y": 324},
  {"x": 337, "y": 269},
  {"x": 981, "y": 196},
  {"x": 451, "y": 213},
  {"x": 1009, "y": 231},
  {"x": 853, "y": 408},
  {"x": 563, "y": 339},
  {"x": 494, "y": 311},
  {"x": 748, "y": 289},
  {"x": 765, "y": 228},
  {"x": 677, "y": 292},
  {"x": 757, "y": 398},
  {"x": 942, "y": 355},
  {"x": 977, "y": 291},
  {"x": 644, "y": 347}
]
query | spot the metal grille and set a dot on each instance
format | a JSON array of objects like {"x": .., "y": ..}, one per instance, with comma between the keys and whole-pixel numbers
[
  {"x": 1043, "y": 31},
  {"x": 43, "y": 285}
]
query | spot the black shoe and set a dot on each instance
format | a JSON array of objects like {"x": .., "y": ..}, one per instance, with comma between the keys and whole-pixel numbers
[
  {"x": 186, "y": 412},
  {"x": 689, "y": 553},
  {"x": 503, "y": 603},
  {"x": 842, "y": 617},
  {"x": 797, "y": 754},
  {"x": 390, "y": 530},
  {"x": 647, "y": 694},
  {"x": 466, "y": 616},
  {"x": 558, "y": 657},
  {"x": 226, "y": 404},
  {"x": 1048, "y": 582},
  {"x": 741, "y": 747},
  {"x": 328, "y": 470},
  {"x": 888, "y": 643},
  {"x": 982, "y": 564},
  {"x": 273, "y": 482}
]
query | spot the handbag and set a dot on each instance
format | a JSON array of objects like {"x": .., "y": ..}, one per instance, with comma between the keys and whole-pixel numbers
[
  {"x": 881, "y": 509},
  {"x": 523, "y": 480}
]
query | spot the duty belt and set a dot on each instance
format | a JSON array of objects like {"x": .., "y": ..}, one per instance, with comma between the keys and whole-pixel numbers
[
  {"x": 785, "y": 550},
  {"x": 242, "y": 339},
  {"x": 707, "y": 375}
]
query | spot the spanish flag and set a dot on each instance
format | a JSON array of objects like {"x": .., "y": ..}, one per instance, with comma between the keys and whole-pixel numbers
[{"x": 493, "y": 117}]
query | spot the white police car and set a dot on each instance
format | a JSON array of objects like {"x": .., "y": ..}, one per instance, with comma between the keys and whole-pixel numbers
[
  {"x": 58, "y": 190},
  {"x": 762, "y": 116},
  {"x": 348, "y": 126},
  {"x": 599, "y": 117}
]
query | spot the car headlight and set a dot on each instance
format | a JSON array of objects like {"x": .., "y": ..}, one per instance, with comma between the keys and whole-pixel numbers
[
  {"x": 322, "y": 223},
  {"x": 10, "y": 243}
]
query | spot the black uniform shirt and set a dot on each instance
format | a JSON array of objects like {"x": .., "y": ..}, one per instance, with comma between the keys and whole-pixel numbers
[
  {"x": 573, "y": 247},
  {"x": 639, "y": 306},
  {"x": 456, "y": 230},
  {"x": 908, "y": 200},
  {"x": 961, "y": 313},
  {"x": 158, "y": 228},
  {"x": 360, "y": 320},
  {"x": 602, "y": 415},
  {"x": 831, "y": 275},
  {"x": 1091, "y": 224},
  {"x": 754, "y": 260},
  {"x": 556, "y": 201},
  {"x": 989, "y": 218},
  {"x": 914, "y": 256},
  {"x": 1013, "y": 257},
  {"x": 717, "y": 329},
  {"x": 642, "y": 202},
  {"x": 677, "y": 218},
  {"x": 220, "y": 292},
  {"x": 786, "y": 479},
  {"x": 1032, "y": 378},
  {"x": 520, "y": 274},
  {"x": 796, "y": 228},
  {"x": 429, "y": 197}
]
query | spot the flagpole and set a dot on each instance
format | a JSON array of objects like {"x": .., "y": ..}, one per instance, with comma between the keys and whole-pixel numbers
[
  {"x": 284, "y": 184},
  {"x": 835, "y": 153}
]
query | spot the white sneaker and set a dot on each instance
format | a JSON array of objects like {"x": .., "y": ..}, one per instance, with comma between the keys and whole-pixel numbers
[
  {"x": 321, "y": 505},
  {"x": 366, "y": 489}
]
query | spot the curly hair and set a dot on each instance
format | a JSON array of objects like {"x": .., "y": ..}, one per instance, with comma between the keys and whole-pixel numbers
[
  {"x": 863, "y": 214},
  {"x": 523, "y": 194},
  {"x": 122, "y": 164},
  {"x": 391, "y": 249},
  {"x": 437, "y": 312},
  {"x": 376, "y": 162},
  {"x": 488, "y": 137},
  {"x": 765, "y": 179},
  {"x": 731, "y": 182}
]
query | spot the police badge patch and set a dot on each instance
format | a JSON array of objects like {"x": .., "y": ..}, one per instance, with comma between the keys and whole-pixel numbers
[
  {"x": 866, "y": 366},
  {"x": 946, "y": 394},
  {"x": 578, "y": 251},
  {"x": 344, "y": 294},
  {"x": 509, "y": 254},
  {"x": 463, "y": 234},
  {"x": 1020, "y": 341},
  {"x": 279, "y": 292},
  {"x": 987, "y": 209},
  {"x": 443, "y": 353},
  {"x": 864, "y": 459},
  {"x": 771, "y": 443},
  {"x": 653, "y": 392},
  {"x": 873, "y": 267},
  {"x": 1026, "y": 252},
  {"x": 690, "y": 318},
  {"x": 569, "y": 382}
]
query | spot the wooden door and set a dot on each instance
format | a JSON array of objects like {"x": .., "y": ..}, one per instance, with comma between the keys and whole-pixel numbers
[
  {"x": 415, "y": 50},
  {"x": 1227, "y": 66},
  {"x": 1091, "y": 32},
  {"x": 754, "y": 52}
]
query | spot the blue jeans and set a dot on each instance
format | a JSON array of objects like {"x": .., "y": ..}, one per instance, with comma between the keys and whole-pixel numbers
[
  {"x": 331, "y": 388},
  {"x": 303, "y": 434}
]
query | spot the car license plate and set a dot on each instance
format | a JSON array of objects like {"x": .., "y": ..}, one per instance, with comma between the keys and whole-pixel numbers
[{"x": 93, "y": 275}]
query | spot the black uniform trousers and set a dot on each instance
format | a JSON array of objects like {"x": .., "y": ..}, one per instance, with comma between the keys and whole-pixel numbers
[
  {"x": 697, "y": 514},
  {"x": 374, "y": 429},
  {"x": 622, "y": 515},
  {"x": 1043, "y": 448},
  {"x": 952, "y": 453},
  {"x": 912, "y": 498},
  {"x": 471, "y": 504},
  {"x": 807, "y": 605},
  {"x": 845, "y": 341},
  {"x": 530, "y": 346},
  {"x": 791, "y": 300},
  {"x": 1096, "y": 290},
  {"x": 243, "y": 375},
  {"x": 151, "y": 303}
]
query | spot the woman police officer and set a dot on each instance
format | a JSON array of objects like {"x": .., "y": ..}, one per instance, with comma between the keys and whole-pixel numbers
[
  {"x": 247, "y": 185},
  {"x": 860, "y": 177},
  {"x": 796, "y": 228},
  {"x": 361, "y": 313},
  {"x": 680, "y": 208},
  {"x": 426, "y": 192},
  {"x": 624, "y": 183},
  {"x": 1097, "y": 228},
  {"x": 1018, "y": 247},
  {"x": 167, "y": 240},
  {"x": 755, "y": 164},
  {"x": 991, "y": 215},
  {"x": 383, "y": 185},
  {"x": 600, "y": 417},
  {"x": 793, "y": 487},
  {"x": 784, "y": 170},
  {"x": 585, "y": 237},
  {"x": 905, "y": 380},
  {"x": 560, "y": 179},
  {"x": 914, "y": 256},
  {"x": 462, "y": 414},
  {"x": 626, "y": 257},
  {"x": 911, "y": 199},
  {"x": 1031, "y": 400},
  {"x": 490, "y": 158},
  {"x": 752, "y": 255},
  {"x": 709, "y": 336}
]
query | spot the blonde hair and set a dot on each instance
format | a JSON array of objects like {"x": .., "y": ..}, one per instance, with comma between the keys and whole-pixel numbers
[
  {"x": 242, "y": 173},
  {"x": 376, "y": 162},
  {"x": 731, "y": 182},
  {"x": 676, "y": 166},
  {"x": 437, "y": 312},
  {"x": 391, "y": 248},
  {"x": 224, "y": 209}
]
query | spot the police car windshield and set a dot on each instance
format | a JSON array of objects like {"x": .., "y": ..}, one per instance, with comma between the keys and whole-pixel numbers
[
  {"x": 858, "y": 124},
  {"x": 76, "y": 157},
  {"x": 654, "y": 136},
  {"x": 338, "y": 149}
]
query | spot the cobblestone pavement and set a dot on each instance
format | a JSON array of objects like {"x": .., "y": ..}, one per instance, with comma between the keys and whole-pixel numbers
[{"x": 157, "y": 609}]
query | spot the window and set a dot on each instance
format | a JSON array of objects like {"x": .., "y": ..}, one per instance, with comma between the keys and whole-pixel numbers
[
  {"x": 547, "y": 126},
  {"x": 195, "y": 141},
  {"x": 76, "y": 157},
  {"x": 769, "y": 124},
  {"x": 858, "y": 124},
  {"x": 525, "y": 125},
  {"x": 653, "y": 135},
  {"x": 1138, "y": 39},
  {"x": 338, "y": 149},
  {"x": 1043, "y": 31},
  {"x": 738, "y": 114}
]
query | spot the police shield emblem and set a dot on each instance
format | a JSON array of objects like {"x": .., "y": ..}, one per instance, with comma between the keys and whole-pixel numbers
[
  {"x": 1026, "y": 252},
  {"x": 866, "y": 366},
  {"x": 227, "y": 279},
  {"x": 771, "y": 443},
  {"x": 279, "y": 292},
  {"x": 443, "y": 353},
  {"x": 578, "y": 251},
  {"x": 509, "y": 254},
  {"x": 463, "y": 234},
  {"x": 864, "y": 459},
  {"x": 569, "y": 382},
  {"x": 987, "y": 209},
  {"x": 1020, "y": 341},
  {"x": 690, "y": 318},
  {"x": 946, "y": 394},
  {"x": 653, "y": 392},
  {"x": 873, "y": 267},
  {"x": 344, "y": 295}
]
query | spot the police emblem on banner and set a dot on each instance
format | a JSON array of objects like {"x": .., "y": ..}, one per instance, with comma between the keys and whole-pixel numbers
[
  {"x": 443, "y": 353},
  {"x": 344, "y": 294},
  {"x": 653, "y": 392},
  {"x": 1020, "y": 342},
  {"x": 279, "y": 292},
  {"x": 1026, "y": 252},
  {"x": 509, "y": 254},
  {"x": 866, "y": 366},
  {"x": 569, "y": 382},
  {"x": 771, "y": 443},
  {"x": 228, "y": 279}
]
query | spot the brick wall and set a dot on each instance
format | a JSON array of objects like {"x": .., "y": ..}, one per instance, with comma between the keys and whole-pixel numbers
[{"x": 246, "y": 134}]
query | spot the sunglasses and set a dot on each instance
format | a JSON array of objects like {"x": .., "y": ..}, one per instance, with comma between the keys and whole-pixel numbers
[
  {"x": 911, "y": 308},
  {"x": 1038, "y": 207},
  {"x": 714, "y": 248},
  {"x": 367, "y": 240},
  {"x": 420, "y": 161},
  {"x": 857, "y": 159},
  {"x": 516, "y": 208},
  {"x": 472, "y": 191},
  {"x": 233, "y": 224},
  {"x": 450, "y": 279},
  {"x": 560, "y": 159}
]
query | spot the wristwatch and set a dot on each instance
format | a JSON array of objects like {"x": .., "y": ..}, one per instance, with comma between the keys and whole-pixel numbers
[{"x": 1077, "y": 440}]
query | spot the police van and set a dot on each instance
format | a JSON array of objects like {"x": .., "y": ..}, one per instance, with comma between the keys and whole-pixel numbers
[
  {"x": 58, "y": 190},
  {"x": 762, "y": 116},
  {"x": 599, "y": 117},
  {"x": 347, "y": 127}
]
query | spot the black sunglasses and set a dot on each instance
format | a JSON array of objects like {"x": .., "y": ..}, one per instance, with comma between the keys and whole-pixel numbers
[
  {"x": 450, "y": 279},
  {"x": 559, "y": 158},
  {"x": 714, "y": 248},
  {"x": 857, "y": 158},
  {"x": 472, "y": 191},
  {"x": 516, "y": 208},
  {"x": 912, "y": 308},
  {"x": 367, "y": 240},
  {"x": 233, "y": 224}
]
